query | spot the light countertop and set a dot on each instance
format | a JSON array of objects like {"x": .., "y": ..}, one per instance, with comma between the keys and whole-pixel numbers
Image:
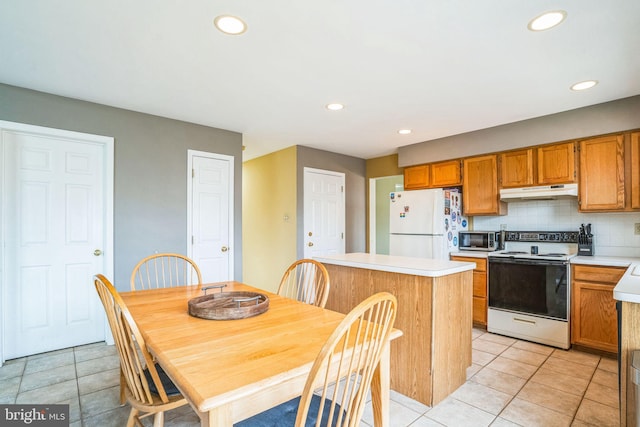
[
  {"x": 628, "y": 288},
  {"x": 471, "y": 254},
  {"x": 398, "y": 264},
  {"x": 610, "y": 261}
]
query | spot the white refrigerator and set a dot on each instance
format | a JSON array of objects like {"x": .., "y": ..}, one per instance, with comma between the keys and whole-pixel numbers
[{"x": 425, "y": 223}]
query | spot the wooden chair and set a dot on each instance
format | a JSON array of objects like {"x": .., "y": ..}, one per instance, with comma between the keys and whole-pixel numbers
[
  {"x": 356, "y": 347},
  {"x": 148, "y": 388},
  {"x": 306, "y": 280},
  {"x": 165, "y": 270}
]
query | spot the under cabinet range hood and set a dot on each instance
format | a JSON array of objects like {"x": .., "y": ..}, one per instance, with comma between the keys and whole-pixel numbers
[{"x": 545, "y": 192}]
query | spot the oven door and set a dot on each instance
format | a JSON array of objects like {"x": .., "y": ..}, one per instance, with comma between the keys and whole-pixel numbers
[{"x": 537, "y": 287}]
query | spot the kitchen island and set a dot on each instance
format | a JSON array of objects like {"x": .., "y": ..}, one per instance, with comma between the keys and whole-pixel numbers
[{"x": 430, "y": 360}]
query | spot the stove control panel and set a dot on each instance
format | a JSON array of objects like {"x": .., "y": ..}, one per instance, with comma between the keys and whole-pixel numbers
[{"x": 541, "y": 236}]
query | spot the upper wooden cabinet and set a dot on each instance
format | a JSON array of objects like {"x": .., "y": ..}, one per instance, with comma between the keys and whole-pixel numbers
[
  {"x": 445, "y": 174},
  {"x": 543, "y": 165},
  {"x": 635, "y": 170},
  {"x": 480, "y": 187},
  {"x": 556, "y": 163},
  {"x": 516, "y": 168},
  {"x": 433, "y": 175},
  {"x": 609, "y": 173},
  {"x": 416, "y": 177},
  {"x": 602, "y": 174}
]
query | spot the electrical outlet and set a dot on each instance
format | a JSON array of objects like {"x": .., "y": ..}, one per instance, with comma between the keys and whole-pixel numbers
[{"x": 636, "y": 229}]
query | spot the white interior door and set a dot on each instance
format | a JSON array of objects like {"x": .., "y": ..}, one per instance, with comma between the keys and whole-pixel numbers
[
  {"x": 55, "y": 224},
  {"x": 211, "y": 214},
  {"x": 324, "y": 212}
]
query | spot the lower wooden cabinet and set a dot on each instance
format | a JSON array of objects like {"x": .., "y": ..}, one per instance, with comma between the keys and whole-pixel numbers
[
  {"x": 594, "y": 321},
  {"x": 479, "y": 288}
]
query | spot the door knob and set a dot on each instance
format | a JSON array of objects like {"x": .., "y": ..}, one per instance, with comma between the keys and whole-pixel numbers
[
  {"x": 224, "y": 249},
  {"x": 97, "y": 252},
  {"x": 310, "y": 244}
]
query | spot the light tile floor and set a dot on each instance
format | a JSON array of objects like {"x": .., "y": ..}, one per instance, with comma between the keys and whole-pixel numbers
[{"x": 511, "y": 383}]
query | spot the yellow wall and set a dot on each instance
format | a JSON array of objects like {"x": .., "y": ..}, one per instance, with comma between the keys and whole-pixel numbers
[
  {"x": 383, "y": 166},
  {"x": 269, "y": 241}
]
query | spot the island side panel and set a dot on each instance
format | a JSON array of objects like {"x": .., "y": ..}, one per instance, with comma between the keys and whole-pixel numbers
[
  {"x": 630, "y": 341},
  {"x": 411, "y": 353},
  {"x": 452, "y": 325}
]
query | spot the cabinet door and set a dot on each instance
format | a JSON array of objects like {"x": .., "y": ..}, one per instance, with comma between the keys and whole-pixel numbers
[
  {"x": 479, "y": 288},
  {"x": 516, "y": 168},
  {"x": 480, "y": 311},
  {"x": 416, "y": 177},
  {"x": 602, "y": 173},
  {"x": 444, "y": 174},
  {"x": 635, "y": 170},
  {"x": 556, "y": 163},
  {"x": 480, "y": 187},
  {"x": 594, "y": 321}
]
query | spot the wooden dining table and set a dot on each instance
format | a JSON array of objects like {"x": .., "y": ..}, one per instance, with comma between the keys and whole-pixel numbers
[{"x": 229, "y": 370}]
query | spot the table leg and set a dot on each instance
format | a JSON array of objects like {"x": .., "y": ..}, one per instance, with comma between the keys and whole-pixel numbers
[
  {"x": 380, "y": 394},
  {"x": 216, "y": 417}
]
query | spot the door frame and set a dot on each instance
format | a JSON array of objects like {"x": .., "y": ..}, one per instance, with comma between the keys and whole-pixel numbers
[
  {"x": 372, "y": 215},
  {"x": 107, "y": 144},
  {"x": 373, "y": 202},
  {"x": 190, "y": 155}
]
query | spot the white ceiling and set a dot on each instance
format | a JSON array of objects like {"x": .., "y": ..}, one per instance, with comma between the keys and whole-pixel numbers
[{"x": 437, "y": 67}]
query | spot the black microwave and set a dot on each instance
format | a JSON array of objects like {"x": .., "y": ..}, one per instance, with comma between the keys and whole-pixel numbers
[{"x": 479, "y": 241}]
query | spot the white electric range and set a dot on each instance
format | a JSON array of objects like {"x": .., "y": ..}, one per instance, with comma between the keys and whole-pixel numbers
[{"x": 529, "y": 286}]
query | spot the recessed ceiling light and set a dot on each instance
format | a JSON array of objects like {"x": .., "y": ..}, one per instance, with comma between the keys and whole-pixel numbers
[
  {"x": 404, "y": 131},
  {"x": 335, "y": 107},
  {"x": 587, "y": 84},
  {"x": 230, "y": 24},
  {"x": 547, "y": 20}
]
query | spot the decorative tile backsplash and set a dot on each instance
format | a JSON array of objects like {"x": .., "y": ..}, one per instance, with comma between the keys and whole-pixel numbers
[{"x": 613, "y": 232}]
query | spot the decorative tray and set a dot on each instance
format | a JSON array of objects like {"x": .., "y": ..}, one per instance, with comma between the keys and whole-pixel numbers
[{"x": 228, "y": 305}]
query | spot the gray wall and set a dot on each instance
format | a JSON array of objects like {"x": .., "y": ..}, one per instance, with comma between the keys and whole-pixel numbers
[
  {"x": 614, "y": 116},
  {"x": 150, "y": 169},
  {"x": 354, "y": 169}
]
